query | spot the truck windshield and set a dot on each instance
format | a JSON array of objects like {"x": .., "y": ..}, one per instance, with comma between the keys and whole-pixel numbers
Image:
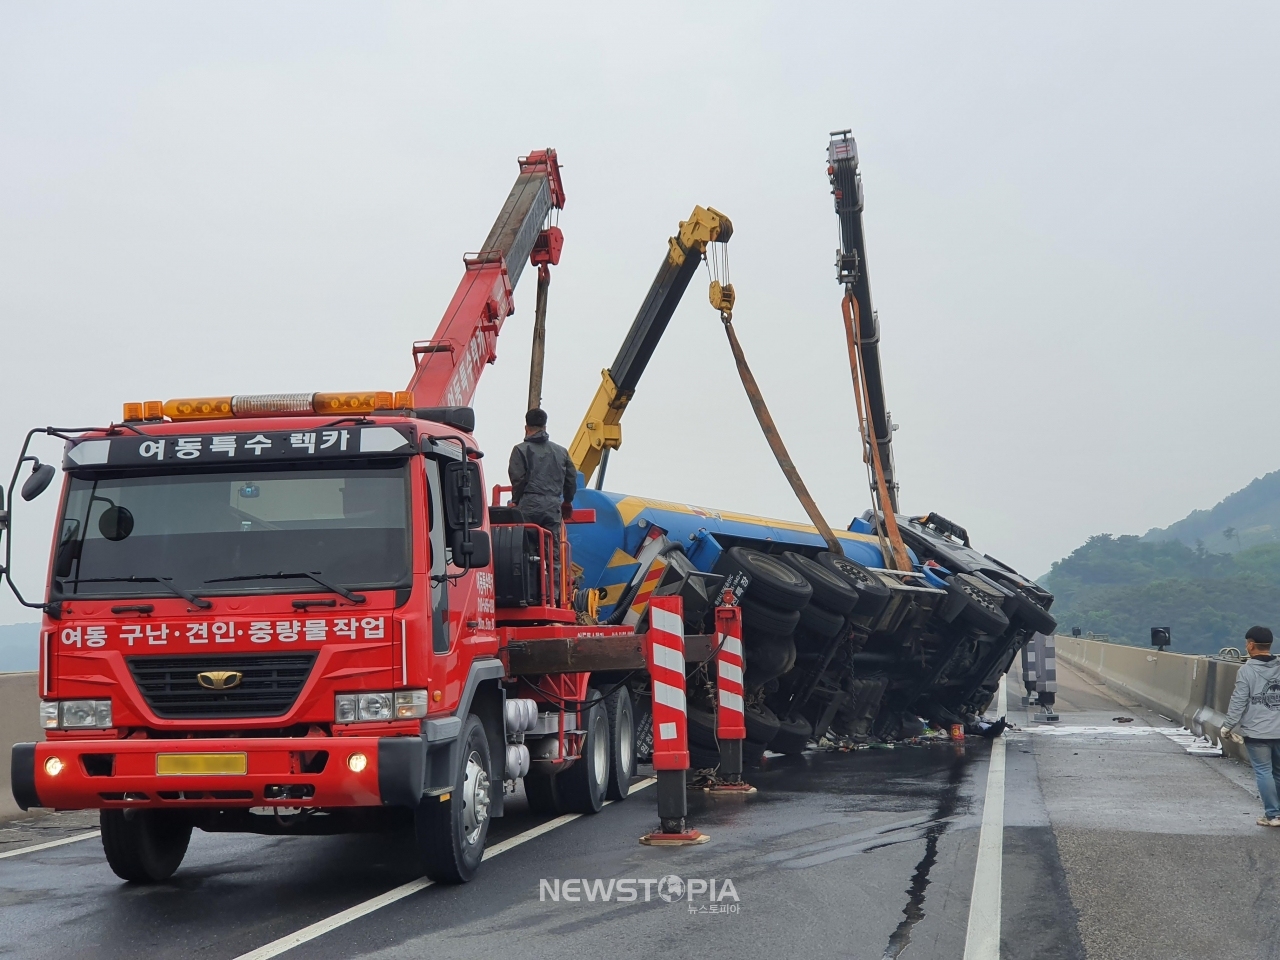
[{"x": 349, "y": 524}]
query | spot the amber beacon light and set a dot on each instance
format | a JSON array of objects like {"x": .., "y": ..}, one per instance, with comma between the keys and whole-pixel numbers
[{"x": 270, "y": 405}]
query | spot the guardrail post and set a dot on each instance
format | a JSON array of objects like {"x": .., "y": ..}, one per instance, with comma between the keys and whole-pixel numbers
[{"x": 664, "y": 652}]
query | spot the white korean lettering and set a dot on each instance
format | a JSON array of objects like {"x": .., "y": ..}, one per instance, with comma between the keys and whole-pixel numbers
[
  {"x": 258, "y": 444},
  {"x": 188, "y": 448},
  {"x": 260, "y": 631},
  {"x": 330, "y": 437},
  {"x": 95, "y": 636},
  {"x": 344, "y": 627},
  {"x": 197, "y": 633},
  {"x": 131, "y": 632},
  {"x": 374, "y": 627},
  {"x": 225, "y": 445},
  {"x": 71, "y": 636},
  {"x": 303, "y": 441},
  {"x": 151, "y": 448},
  {"x": 316, "y": 629},
  {"x": 224, "y": 632},
  {"x": 157, "y": 634},
  {"x": 287, "y": 630}
]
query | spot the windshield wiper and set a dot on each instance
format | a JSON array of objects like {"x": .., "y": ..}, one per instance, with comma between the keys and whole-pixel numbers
[
  {"x": 331, "y": 587},
  {"x": 166, "y": 582}
]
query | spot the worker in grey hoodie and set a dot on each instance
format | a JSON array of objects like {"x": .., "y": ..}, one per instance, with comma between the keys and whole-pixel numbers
[
  {"x": 543, "y": 481},
  {"x": 1254, "y": 719}
]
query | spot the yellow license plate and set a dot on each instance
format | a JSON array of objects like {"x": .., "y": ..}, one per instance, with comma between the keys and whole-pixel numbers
[{"x": 201, "y": 764}]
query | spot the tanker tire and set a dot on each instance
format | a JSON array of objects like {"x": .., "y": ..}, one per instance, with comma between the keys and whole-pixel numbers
[
  {"x": 622, "y": 742},
  {"x": 768, "y": 657},
  {"x": 1030, "y": 614},
  {"x": 752, "y": 753},
  {"x": 146, "y": 848},
  {"x": 451, "y": 830},
  {"x": 762, "y": 618},
  {"x": 793, "y": 737},
  {"x": 831, "y": 591},
  {"x": 702, "y": 728},
  {"x": 821, "y": 623},
  {"x": 584, "y": 785},
  {"x": 873, "y": 595},
  {"x": 703, "y": 758},
  {"x": 772, "y": 582},
  {"x": 979, "y": 607},
  {"x": 762, "y": 725}
]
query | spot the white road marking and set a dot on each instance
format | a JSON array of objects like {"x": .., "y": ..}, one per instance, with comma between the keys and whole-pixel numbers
[
  {"x": 52, "y": 843},
  {"x": 321, "y": 927},
  {"x": 982, "y": 939}
]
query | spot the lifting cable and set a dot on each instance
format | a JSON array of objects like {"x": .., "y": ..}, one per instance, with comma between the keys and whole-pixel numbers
[
  {"x": 722, "y": 298},
  {"x": 886, "y": 522}
]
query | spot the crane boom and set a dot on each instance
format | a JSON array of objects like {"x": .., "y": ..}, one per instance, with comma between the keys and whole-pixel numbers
[
  {"x": 851, "y": 265},
  {"x": 601, "y": 428},
  {"x": 448, "y": 366}
]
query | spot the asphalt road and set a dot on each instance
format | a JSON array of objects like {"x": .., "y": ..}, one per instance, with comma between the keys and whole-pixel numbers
[{"x": 1115, "y": 844}]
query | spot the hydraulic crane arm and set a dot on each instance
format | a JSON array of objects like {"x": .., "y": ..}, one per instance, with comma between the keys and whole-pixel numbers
[
  {"x": 449, "y": 365},
  {"x": 846, "y": 186},
  {"x": 601, "y": 428}
]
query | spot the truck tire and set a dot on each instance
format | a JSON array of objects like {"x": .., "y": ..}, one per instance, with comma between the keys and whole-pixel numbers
[
  {"x": 772, "y": 582},
  {"x": 752, "y": 753},
  {"x": 977, "y": 604},
  {"x": 702, "y": 728},
  {"x": 542, "y": 790},
  {"x": 762, "y": 618},
  {"x": 821, "y": 623},
  {"x": 703, "y": 758},
  {"x": 622, "y": 742},
  {"x": 793, "y": 737},
  {"x": 584, "y": 785},
  {"x": 147, "y": 847},
  {"x": 762, "y": 724},
  {"x": 768, "y": 657},
  {"x": 831, "y": 591},
  {"x": 1028, "y": 613},
  {"x": 873, "y": 595},
  {"x": 451, "y": 830}
]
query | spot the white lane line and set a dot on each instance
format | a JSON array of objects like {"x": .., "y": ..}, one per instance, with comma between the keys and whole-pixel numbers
[
  {"x": 982, "y": 939},
  {"x": 45, "y": 846},
  {"x": 321, "y": 927}
]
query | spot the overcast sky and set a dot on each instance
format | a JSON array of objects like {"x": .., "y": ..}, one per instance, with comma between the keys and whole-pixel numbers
[{"x": 1070, "y": 212}]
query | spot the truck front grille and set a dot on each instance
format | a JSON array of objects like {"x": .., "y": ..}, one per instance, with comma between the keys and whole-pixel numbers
[{"x": 270, "y": 684}]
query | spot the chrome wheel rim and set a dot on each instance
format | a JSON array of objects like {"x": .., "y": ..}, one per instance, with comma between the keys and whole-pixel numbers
[
  {"x": 475, "y": 799},
  {"x": 626, "y": 745},
  {"x": 600, "y": 751}
]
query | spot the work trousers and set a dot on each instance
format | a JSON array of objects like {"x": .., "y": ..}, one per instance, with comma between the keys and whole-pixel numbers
[{"x": 548, "y": 519}]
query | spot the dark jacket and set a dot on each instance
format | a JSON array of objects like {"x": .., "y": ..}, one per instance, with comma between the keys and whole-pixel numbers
[
  {"x": 1255, "y": 702},
  {"x": 542, "y": 475}
]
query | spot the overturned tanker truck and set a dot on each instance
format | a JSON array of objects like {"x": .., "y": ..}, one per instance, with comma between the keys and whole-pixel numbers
[{"x": 855, "y": 644}]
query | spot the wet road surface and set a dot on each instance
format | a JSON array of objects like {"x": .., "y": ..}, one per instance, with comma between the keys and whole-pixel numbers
[{"x": 1114, "y": 845}]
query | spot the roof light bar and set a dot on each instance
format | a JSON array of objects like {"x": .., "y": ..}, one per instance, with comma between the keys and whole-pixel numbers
[{"x": 270, "y": 405}]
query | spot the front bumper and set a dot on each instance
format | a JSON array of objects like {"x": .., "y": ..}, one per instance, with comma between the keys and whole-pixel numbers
[{"x": 277, "y": 773}]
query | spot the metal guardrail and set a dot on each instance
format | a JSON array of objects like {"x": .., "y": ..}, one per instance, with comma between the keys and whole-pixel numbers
[{"x": 1194, "y": 691}]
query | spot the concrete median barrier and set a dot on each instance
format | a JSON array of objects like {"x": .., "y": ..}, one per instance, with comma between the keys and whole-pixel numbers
[
  {"x": 1194, "y": 691},
  {"x": 19, "y": 723}
]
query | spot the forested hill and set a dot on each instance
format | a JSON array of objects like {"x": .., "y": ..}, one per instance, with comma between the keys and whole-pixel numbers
[
  {"x": 1246, "y": 518},
  {"x": 1124, "y": 586}
]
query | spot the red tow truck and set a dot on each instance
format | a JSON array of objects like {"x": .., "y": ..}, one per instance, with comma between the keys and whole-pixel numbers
[{"x": 295, "y": 613}]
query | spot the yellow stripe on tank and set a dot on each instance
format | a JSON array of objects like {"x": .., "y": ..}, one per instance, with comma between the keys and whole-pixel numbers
[{"x": 632, "y": 507}]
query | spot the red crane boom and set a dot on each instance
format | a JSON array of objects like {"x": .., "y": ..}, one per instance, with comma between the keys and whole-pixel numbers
[{"x": 448, "y": 366}]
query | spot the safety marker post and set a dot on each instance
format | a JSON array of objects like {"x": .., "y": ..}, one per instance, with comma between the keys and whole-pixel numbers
[
  {"x": 664, "y": 652},
  {"x": 731, "y": 721}
]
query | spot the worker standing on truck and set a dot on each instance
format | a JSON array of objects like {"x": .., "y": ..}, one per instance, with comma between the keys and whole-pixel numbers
[
  {"x": 1255, "y": 709},
  {"x": 543, "y": 480}
]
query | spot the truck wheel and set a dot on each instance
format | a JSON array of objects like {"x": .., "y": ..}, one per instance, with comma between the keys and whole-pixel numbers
[
  {"x": 451, "y": 832},
  {"x": 771, "y": 581},
  {"x": 792, "y": 737},
  {"x": 762, "y": 724},
  {"x": 768, "y": 657},
  {"x": 873, "y": 595},
  {"x": 752, "y": 753},
  {"x": 821, "y": 623},
  {"x": 583, "y": 786},
  {"x": 979, "y": 604},
  {"x": 703, "y": 758},
  {"x": 1033, "y": 616},
  {"x": 144, "y": 848},
  {"x": 702, "y": 728},
  {"x": 761, "y": 618},
  {"x": 622, "y": 742},
  {"x": 542, "y": 790},
  {"x": 831, "y": 591}
]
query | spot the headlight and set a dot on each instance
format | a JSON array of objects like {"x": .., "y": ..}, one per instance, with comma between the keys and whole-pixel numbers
[
  {"x": 398, "y": 705},
  {"x": 75, "y": 714}
]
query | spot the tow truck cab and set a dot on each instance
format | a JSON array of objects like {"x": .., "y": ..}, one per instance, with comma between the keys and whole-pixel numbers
[{"x": 287, "y": 612}]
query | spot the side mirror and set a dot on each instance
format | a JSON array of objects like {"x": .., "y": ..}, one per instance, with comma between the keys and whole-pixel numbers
[
  {"x": 463, "y": 495},
  {"x": 473, "y": 552},
  {"x": 38, "y": 482}
]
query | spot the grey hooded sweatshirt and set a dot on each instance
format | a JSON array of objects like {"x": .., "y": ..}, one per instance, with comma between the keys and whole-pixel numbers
[{"x": 1255, "y": 702}]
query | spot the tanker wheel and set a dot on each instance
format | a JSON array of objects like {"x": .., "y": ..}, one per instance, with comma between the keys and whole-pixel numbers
[
  {"x": 583, "y": 786},
  {"x": 146, "y": 847},
  {"x": 451, "y": 829},
  {"x": 542, "y": 790},
  {"x": 793, "y": 736}
]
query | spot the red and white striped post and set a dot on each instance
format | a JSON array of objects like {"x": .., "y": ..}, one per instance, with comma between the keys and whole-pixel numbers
[
  {"x": 731, "y": 723},
  {"x": 664, "y": 652}
]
